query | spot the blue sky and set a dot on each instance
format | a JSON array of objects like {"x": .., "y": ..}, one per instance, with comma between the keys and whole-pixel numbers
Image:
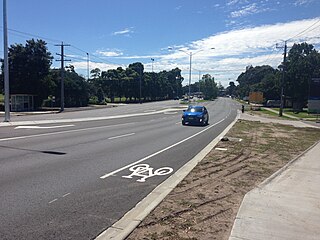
[{"x": 119, "y": 32}]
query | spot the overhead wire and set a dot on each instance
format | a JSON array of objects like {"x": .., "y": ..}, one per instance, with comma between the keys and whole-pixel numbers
[{"x": 303, "y": 30}]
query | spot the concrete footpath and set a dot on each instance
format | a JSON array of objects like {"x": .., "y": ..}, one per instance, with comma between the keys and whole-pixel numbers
[{"x": 286, "y": 205}]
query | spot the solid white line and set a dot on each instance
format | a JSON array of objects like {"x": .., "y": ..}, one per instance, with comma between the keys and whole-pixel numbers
[
  {"x": 40, "y": 127},
  {"x": 120, "y": 136},
  {"x": 62, "y": 132},
  {"x": 53, "y": 201},
  {"x": 161, "y": 151}
]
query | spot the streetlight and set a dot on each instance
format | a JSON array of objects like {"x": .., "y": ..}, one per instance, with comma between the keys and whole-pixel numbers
[
  {"x": 190, "y": 53},
  {"x": 152, "y": 60},
  {"x": 6, "y": 64}
]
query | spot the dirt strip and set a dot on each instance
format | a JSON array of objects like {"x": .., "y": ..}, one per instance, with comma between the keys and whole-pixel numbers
[{"x": 204, "y": 205}]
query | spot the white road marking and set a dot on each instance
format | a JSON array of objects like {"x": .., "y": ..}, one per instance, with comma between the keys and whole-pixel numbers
[
  {"x": 221, "y": 149},
  {"x": 161, "y": 151},
  {"x": 145, "y": 171},
  {"x": 149, "y": 111},
  {"x": 121, "y": 136},
  {"x": 178, "y": 123},
  {"x": 53, "y": 201},
  {"x": 66, "y": 194},
  {"x": 62, "y": 132},
  {"x": 40, "y": 127}
]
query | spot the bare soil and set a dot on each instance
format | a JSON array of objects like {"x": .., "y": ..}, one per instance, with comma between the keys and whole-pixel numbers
[{"x": 204, "y": 205}]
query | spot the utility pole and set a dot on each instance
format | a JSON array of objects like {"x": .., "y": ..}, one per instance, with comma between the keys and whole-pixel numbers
[
  {"x": 6, "y": 65},
  {"x": 62, "y": 60},
  {"x": 283, "y": 79},
  {"x": 190, "y": 55},
  {"x": 152, "y": 60},
  {"x": 199, "y": 80},
  {"x": 88, "y": 66}
]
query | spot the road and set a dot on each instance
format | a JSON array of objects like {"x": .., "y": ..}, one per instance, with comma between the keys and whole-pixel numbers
[{"x": 67, "y": 180}]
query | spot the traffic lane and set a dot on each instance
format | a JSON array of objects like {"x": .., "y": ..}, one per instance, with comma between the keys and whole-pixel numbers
[
  {"x": 48, "y": 154},
  {"x": 73, "y": 145},
  {"x": 65, "y": 193},
  {"x": 24, "y": 165},
  {"x": 43, "y": 189},
  {"x": 25, "y": 130},
  {"x": 100, "y": 112},
  {"x": 79, "y": 155},
  {"x": 90, "y": 209}
]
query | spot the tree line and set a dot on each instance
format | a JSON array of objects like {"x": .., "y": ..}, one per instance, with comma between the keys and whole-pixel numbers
[
  {"x": 31, "y": 73},
  {"x": 303, "y": 64}
]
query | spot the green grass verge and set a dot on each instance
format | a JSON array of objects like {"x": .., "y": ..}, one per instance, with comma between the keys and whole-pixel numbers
[
  {"x": 303, "y": 114},
  {"x": 1, "y": 98}
]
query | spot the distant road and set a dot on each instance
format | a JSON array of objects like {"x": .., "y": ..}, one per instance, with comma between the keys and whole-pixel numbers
[{"x": 73, "y": 180}]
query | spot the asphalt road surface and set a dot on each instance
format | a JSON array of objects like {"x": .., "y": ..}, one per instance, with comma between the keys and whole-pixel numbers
[{"x": 72, "y": 180}]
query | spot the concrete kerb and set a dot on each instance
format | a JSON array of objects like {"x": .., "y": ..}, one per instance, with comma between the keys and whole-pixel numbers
[
  {"x": 284, "y": 168},
  {"x": 122, "y": 228}
]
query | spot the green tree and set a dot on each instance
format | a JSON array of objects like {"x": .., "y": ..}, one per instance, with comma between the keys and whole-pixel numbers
[
  {"x": 231, "y": 89},
  {"x": 29, "y": 66},
  {"x": 209, "y": 87},
  {"x": 303, "y": 64},
  {"x": 76, "y": 88},
  {"x": 256, "y": 79}
]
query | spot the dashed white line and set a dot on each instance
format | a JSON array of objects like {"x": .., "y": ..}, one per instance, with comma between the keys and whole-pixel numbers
[
  {"x": 61, "y": 132},
  {"x": 121, "y": 136},
  {"x": 53, "y": 201},
  {"x": 66, "y": 194}
]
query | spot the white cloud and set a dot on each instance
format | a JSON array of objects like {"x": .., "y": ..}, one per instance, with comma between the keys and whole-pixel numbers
[
  {"x": 234, "y": 50},
  {"x": 109, "y": 53},
  {"x": 302, "y": 2},
  {"x": 247, "y": 10},
  {"x": 125, "y": 31}
]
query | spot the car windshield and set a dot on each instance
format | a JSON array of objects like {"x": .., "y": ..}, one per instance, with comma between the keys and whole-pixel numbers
[{"x": 194, "y": 109}]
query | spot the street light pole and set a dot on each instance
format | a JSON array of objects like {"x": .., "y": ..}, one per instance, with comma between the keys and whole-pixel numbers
[
  {"x": 190, "y": 65},
  {"x": 152, "y": 60},
  {"x": 190, "y": 77},
  {"x": 6, "y": 64}
]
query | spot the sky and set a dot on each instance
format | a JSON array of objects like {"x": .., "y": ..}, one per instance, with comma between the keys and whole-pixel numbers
[{"x": 221, "y": 37}]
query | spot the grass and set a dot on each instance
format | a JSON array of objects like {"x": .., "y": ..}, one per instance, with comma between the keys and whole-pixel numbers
[
  {"x": 1, "y": 98},
  {"x": 302, "y": 114},
  {"x": 273, "y": 114}
]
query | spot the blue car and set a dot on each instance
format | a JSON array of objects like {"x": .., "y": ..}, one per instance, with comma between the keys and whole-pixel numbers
[{"x": 197, "y": 115}]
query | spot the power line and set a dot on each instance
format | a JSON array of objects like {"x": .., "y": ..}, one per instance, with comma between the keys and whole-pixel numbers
[
  {"x": 33, "y": 35},
  {"x": 303, "y": 31}
]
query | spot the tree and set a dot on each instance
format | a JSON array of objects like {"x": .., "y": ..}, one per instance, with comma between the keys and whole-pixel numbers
[
  {"x": 209, "y": 87},
  {"x": 29, "y": 66},
  {"x": 95, "y": 73},
  {"x": 231, "y": 89},
  {"x": 76, "y": 89},
  {"x": 303, "y": 64},
  {"x": 256, "y": 79}
]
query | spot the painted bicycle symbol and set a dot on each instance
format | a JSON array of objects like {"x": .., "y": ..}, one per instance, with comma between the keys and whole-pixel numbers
[{"x": 145, "y": 171}]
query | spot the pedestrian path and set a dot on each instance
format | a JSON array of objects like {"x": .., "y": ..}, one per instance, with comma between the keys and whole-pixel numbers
[
  {"x": 251, "y": 117},
  {"x": 286, "y": 206}
]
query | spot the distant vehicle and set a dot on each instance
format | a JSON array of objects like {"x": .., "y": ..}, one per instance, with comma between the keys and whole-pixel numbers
[
  {"x": 273, "y": 103},
  {"x": 197, "y": 115},
  {"x": 176, "y": 98}
]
